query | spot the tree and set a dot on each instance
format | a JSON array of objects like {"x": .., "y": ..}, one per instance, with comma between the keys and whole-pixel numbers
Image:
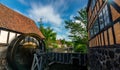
[
  {"x": 50, "y": 36},
  {"x": 63, "y": 41},
  {"x": 78, "y": 31}
]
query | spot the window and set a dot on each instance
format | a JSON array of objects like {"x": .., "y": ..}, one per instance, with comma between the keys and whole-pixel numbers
[
  {"x": 91, "y": 32},
  {"x": 96, "y": 27},
  {"x": 106, "y": 16},
  {"x": 104, "y": 19},
  {"x": 101, "y": 21}
]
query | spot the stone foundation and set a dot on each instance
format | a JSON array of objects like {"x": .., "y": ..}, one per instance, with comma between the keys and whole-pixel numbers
[
  {"x": 104, "y": 58},
  {"x": 3, "y": 51}
]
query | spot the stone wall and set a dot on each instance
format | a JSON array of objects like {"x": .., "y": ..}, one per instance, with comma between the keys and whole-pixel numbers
[
  {"x": 104, "y": 58},
  {"x": 3, "y": 51}
]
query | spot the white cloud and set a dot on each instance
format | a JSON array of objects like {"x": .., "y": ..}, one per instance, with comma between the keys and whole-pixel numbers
[
  {"x": 47, "y": 12},
  {"x": 82, "y": 24},
  {"x": 63, "y": 37},
  {"x": 50, "y": 12},
  {"x": 60, "y": 37},
  {"x": 77, "y": 21}
]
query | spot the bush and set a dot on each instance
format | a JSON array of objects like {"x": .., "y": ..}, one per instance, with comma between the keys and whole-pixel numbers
[
  {"x": 55, "y": 46},
  {"x": 80, "y": 48}
]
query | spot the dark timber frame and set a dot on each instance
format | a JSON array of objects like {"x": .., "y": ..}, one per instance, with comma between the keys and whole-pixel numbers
[{"x": 108, "y": 33}]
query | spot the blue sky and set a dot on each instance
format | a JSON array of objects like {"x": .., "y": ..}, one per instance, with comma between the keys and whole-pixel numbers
[{"x": 52, "y": 12}]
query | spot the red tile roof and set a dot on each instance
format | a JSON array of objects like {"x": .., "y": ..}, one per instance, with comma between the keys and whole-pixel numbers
[{"x": 12, "y": 20}]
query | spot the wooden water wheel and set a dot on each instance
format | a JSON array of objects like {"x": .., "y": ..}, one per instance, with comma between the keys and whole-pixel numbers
[{"x": 21, "y": 50}]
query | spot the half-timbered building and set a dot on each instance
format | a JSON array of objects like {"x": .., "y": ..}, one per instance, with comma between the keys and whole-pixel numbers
[
  {"x": 12, "y": 25},
  {"x": 104, "y": 34},
  {"x": 103, "y": 23}
]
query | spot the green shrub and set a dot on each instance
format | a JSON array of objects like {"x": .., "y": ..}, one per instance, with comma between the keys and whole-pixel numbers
[{"x": 80, "y": 48}]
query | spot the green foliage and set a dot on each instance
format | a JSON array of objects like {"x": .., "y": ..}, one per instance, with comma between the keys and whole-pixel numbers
[
  {"x": 80, "y": 48},
  {"x": 82, "y": 16},
  {"x": 55, "y": 46},
  {"x": 78, "y": 31},
  {"x": 63, "y": 41},
  {"x": 50, "y": 35},
  {"x": 69, "y": 43}
]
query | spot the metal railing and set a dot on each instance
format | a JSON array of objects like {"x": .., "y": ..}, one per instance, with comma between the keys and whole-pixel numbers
[
  {"x": 40, "y": 59},
  {"x": 67, "y": 58}
]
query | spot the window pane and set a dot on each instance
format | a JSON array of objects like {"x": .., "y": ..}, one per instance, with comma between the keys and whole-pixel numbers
[
  {"x": 106, "y": 15},
  {"x": 91, "y": 32},
  {"x": 101, "y": 21},
  {"x": 96, "y": 27},
  {"x": 108, "y": 20}
]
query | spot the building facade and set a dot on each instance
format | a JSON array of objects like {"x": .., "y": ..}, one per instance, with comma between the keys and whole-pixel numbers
[
  {"x": 12, "y": 25},
  {"x": 103, "y": 23},
  {"x": 104, "y": 34}
]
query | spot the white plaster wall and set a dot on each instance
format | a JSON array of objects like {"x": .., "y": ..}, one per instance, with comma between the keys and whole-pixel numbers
[
  {"x": 11, "y": 37},
  {"x": 3, "y": 36},
  {"x": 18, "y": 34}
]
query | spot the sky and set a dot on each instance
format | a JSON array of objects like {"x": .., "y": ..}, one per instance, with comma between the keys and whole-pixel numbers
[{"x": 52, "y": 12}]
